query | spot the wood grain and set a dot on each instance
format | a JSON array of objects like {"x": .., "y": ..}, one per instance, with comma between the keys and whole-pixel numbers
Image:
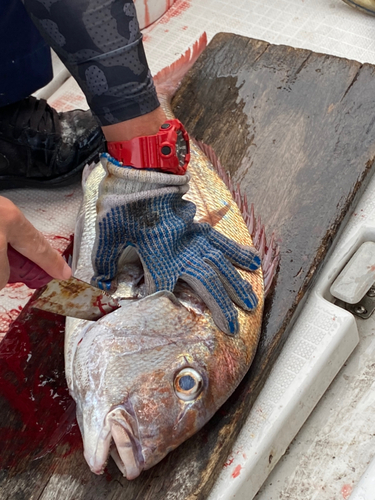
[{"x": 295, "y": 129}]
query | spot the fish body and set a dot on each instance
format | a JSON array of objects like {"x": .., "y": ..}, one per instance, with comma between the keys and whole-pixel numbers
[{"x": 149, "y": 375}]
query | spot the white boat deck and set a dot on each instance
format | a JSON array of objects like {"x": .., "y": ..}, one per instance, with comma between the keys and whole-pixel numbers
[{"x": 328, "y": 457}]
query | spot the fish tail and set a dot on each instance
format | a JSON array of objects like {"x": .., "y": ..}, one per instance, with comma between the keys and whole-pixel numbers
[
  {"x": 269, "y": 251},
  {"x": 168, "y": 79}
]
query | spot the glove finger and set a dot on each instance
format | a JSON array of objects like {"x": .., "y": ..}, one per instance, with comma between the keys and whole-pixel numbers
[
  {"x": 239, "y": 290},
  {"x": 206, "y": 283},
  {"x": 243, "y": 256},
  {"x": 158, "y": 260},
  {"x": 158, "y": 276},
  {"x": 105, "y": 256}
]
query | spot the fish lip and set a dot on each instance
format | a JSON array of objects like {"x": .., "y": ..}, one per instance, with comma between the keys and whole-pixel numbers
[
  {"x": 98, "y": 460},
  {"x": 118, "y": 437},
  {"x": 127, "y": 451}
]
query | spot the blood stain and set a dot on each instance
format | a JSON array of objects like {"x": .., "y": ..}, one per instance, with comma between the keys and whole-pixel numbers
[
  {"x": 346, "y": 491},
  {"x": 229, "y": 462},
  {"x": 108, "y": 475},
  {"x": 236, "y": 471},
  {"x": 38, "y": 415},
  {"x": 147, "y": 14},
  {"x": 7, "y": 318},
  {"x": 176, "y": 10},
  {"x": 14, "y": 286}
]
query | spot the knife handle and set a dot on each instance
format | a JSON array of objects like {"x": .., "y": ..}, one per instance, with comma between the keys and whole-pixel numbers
[{"x": 25, "y": 271}]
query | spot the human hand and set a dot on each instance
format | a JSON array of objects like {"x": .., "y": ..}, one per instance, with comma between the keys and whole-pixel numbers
[
  {"x": 17, "y": 231},
  {"x": 152, "y": 217}
]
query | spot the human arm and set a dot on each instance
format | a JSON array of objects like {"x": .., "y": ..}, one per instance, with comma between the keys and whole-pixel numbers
[{"x": 120, "y": 91}]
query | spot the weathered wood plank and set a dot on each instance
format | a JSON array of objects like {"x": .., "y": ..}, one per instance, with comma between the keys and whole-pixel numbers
[
  {"x": 301, "y": 127},
  {"x": 295, "y": 129}
]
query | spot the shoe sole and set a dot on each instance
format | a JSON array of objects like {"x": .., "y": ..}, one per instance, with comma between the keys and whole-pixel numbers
[
  {"x": 16, "y": 182},
  {"x": 362, "y": 9}
]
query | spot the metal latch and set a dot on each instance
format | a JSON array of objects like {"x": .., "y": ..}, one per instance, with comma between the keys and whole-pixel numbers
[{"x": 354, "y": 288}]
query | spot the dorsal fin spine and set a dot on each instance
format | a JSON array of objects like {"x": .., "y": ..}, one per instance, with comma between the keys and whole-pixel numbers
[
  {"x": 167, "y": 82},
  {"x": 168, "y": 79},
  {"x": 268, "y": 252}
]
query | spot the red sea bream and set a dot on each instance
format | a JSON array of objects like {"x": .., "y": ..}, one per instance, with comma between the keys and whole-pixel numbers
[{"x": 126, "y": 371}]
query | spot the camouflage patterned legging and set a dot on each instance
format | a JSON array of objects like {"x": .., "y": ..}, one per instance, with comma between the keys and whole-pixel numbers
[{"x": 100, "y": 43}]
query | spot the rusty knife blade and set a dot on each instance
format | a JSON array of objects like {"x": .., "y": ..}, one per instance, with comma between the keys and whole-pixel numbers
[{"x": 75, "y": 298}]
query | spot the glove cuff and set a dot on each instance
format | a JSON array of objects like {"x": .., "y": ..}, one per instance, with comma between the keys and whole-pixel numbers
[
  {"x": 123, "y": 184},
  {"x": 130, "y": 174}
]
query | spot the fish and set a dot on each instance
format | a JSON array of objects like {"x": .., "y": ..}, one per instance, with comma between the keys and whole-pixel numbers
[{"x": 150, "y": 374}]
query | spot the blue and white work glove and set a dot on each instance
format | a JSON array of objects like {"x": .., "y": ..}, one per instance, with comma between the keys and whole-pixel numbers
[{"x": 145, "y": 210}]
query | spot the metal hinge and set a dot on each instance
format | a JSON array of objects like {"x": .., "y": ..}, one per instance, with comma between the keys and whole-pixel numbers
[
  {"x": 364, "y": 308},
  {"x": 354, "y": 287}
]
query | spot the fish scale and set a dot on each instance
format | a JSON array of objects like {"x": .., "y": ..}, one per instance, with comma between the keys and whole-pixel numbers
[{"x": 122, "y": 370}]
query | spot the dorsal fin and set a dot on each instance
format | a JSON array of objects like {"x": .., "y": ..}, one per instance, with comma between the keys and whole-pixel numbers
[
  {"x": 269, "y": 252},
  {"x": 167, "y": 82},
  {"x": 168, "y": 79}
]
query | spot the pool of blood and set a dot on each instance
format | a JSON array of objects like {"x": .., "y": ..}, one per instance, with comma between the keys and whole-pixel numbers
[{"x": 37, "y": 415}]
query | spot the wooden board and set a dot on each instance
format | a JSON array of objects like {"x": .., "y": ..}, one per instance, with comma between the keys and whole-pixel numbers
[{"x": 296, "y": 130}]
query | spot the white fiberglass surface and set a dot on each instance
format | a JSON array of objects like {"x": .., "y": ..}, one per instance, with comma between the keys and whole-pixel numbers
[{"x": 330, "y": 453}]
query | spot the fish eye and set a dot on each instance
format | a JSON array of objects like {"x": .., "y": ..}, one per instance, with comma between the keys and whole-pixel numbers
[{"x": 188, "y": 384}]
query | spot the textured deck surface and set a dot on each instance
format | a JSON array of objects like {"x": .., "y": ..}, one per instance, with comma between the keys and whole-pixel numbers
[{"x": 289, "y": 126}]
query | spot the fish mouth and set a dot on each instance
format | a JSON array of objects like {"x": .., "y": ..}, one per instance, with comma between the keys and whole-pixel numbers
[{"x": 118, "y": 439}]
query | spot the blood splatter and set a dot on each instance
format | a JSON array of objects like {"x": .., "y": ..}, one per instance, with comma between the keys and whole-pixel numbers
[
  {"x": 229, "y": 462},
  {"x": 16, "y": 291},
  {"x": 147, "y": 14},
  {"x": 98, "y": 303},
  {"x": 13, "y": 286},
  {"x": 108, "y": 475},
  {"x": 346, "y": 491},
  {"x": 175, "y": 10},
  {"x": 60, "y": 239},
  {"x": 237, "y": 471},
  {"x": 7, "y": 318},
  {"x": 37, "y": 415}
]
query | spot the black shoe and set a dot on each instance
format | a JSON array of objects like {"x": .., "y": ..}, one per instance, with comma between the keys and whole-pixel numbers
[{"x": 42, "y": 148}]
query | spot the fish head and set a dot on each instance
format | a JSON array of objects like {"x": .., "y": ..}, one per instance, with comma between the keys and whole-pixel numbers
[{"x": 144, "y": 382}]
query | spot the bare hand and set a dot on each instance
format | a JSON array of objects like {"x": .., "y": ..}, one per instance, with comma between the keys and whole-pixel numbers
[{"x": 17, "y": 231}]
